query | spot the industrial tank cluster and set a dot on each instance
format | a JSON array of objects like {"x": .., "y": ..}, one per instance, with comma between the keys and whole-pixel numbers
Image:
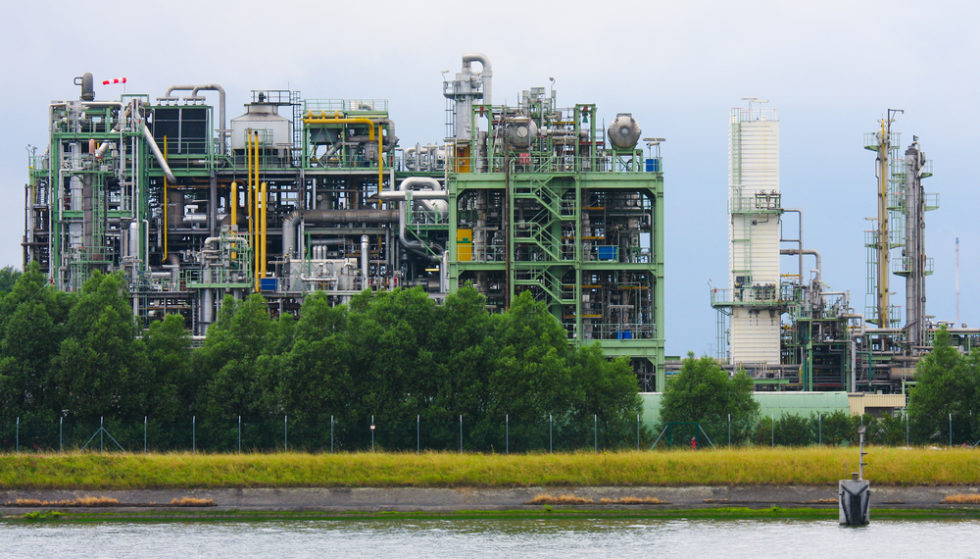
[{"x": 298, "y": 195}]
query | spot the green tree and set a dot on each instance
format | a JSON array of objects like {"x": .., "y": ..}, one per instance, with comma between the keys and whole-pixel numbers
[
  {"x": 8, "y": 278},
  {"x": 101, "y": 364},
  {"x": 609, "y": 393},
  {"x": 705, "y": 393},
  {"x": 946, "y": 383}
]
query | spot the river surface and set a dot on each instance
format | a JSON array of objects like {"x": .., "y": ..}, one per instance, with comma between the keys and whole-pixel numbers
[{"x": 523, "y": 538}]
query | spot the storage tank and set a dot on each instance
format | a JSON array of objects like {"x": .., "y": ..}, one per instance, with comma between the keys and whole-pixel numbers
[
  {"x": 520, "y": 132},
  {"x": 624, "y": 131},
  {"x": 263, "y": 117}
]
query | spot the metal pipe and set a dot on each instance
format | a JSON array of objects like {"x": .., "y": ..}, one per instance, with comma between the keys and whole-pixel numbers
[
  {"x": 814, "y": 253},
  {"x": 486, "y": 74},
  {"x": 166, "y": 205},
  {"x": 405, "y": 195},
  {"x": 233, "y": 202},
  {"x": 158, "y": 155},
  {"x": 337, "y": 119},
  {"x": 365, "y": 247},
  {"x": 329, "y": 216},
  {"x": 257, "y": 253},
  {"x": 194, "y": 89},
  {"x": 265, "y": 225}
]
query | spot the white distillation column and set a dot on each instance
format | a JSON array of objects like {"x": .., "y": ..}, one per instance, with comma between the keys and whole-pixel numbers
[{"x": 754, "y": 211}]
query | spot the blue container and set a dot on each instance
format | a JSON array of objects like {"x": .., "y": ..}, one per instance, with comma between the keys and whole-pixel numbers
[
  {"x": 652, "y": 165},
  {"x": 269, "y": 284},
  {"x": 624, "y": 335},
  {"x": 608, "y": 252}
]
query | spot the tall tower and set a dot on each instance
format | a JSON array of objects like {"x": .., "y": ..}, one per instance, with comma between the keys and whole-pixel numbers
[{"x": 754, "y": 208}]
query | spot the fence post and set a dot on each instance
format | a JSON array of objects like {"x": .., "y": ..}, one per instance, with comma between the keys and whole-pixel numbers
[
  {"x": 17, "y": 435},
  {"x": 551, "y": 434},
  {"x": 418, "y": 433},
  {"x": 372, "y": 433},
  {"x": 951, "y": 430},
  {"x": 595, "y": 433},
  {"x": 144, "y": 434},
  {"x": 285, "y": 433},
  {"x": 331, "y": 434},
  {"x": 819, "y": 429},
  {"x": 61, "y": 423},
  {"x": 637, "y": 431},
  {"x": 101, "y": 436},
  {"x": 906, "y": 413},
  {"x": 506, "y": 433},
  {"x": 729, "y": 430},
  {"x": 239, "y": 434},
  {"x": 460, "y": 433},
  {"x": 193, "y": 434},
  {"x": 772, "y": 427}
]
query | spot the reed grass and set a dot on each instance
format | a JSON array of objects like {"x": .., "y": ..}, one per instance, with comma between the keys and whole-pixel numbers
[
  {"x": 971, "y": 499},
  {"x": 752, "y": 466}
]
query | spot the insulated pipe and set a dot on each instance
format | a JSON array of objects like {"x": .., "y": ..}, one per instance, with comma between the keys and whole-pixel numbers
[
  {"x": 221, "y": 103},
  {"x": 99, "y": 153},
  {"x": 405, "y": 195},
  {"x": 161, "y": 160},
  {"x": 365, "y": 247},
  {"x": 815, "y": 254},
  {"x": 486, "y": 74},
  {"x": 166, "y": 204},
  {"x": 329, "y": 216}
]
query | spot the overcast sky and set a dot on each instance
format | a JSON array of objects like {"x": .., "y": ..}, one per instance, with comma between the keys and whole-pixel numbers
[{"x": 830, "y": 68}]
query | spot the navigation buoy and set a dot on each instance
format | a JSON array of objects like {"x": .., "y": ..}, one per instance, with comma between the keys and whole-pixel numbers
[{"x": 854, "y": 495}]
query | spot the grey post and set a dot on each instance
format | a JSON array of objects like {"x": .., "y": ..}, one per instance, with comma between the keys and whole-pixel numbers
[
  {"x": 506, "y": 433},
  {"x": 460, "y": 433},
  {"x": 239, "y": 434},
  {"x": 729, "y": 430},
  {"x": 61, "y": 422},
  {"x": 595, "y": 433},
  {"x": 906, "y": 413},
  {"x": 637, "y": 431},
  {"x": 819, "y": 429},
  {"x": 17, "y": 435},
  {"x": 144, "y": 434},
  {"x": 285, "y": 433},
  {"x": 950, "y": 429},
  {"x": 101, "y": 431},
  {"x": 772, "y": 427},
  {"x": 193, "y": 433},
  {"x": 418, "y": 433},
  {"x": 331, "y": 434},
  {"x": 551, "y": 434},
  {"x": 372, "y": 433}
]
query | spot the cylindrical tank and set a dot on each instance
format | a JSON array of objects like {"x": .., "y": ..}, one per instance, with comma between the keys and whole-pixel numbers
[
  {"x": 624, "y": 132},
  {"x": 86, "y": 82},
  {"x": 263, "y": 117},
  {"x": 520, "y": 132}
]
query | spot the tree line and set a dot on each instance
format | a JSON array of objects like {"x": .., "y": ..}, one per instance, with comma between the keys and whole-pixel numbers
[
  {"x": 943, "y": 408},
  {"x": 427, "y": 374}
]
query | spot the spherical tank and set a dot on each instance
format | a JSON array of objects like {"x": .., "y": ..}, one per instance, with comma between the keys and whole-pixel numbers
[{"x": 624, "y": 131}]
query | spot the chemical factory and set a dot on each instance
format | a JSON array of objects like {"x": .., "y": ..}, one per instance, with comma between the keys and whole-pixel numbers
[{"x": 298, "y": 195}]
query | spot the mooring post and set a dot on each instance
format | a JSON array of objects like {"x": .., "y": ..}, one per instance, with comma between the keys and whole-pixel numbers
[{"x": 854, "y": 495}]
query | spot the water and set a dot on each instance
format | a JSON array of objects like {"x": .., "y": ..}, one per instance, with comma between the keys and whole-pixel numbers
[{"x": 564, "y": 538}]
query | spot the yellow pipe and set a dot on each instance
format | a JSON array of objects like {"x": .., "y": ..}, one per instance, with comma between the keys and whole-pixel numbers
[
  {"x": 166, "y": 202},
  {"x": 310, "y": 119},
  {"x": 233, "y": 202},
  {"x": 255, "y": 206},
  {"x": 265, "y": 228}
]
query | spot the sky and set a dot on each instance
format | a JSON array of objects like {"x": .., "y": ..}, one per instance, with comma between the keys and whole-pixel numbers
[{"x": 830, "y": 68}]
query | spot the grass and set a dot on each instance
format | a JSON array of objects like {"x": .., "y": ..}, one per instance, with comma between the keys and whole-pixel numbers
[
  {"x": 547, "y": 499},
  {"x": 753, "y": 466},
  {"x": 961, "y": 499}
]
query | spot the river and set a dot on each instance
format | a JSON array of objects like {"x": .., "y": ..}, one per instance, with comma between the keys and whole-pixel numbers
[{"x": 483, "y": 539}]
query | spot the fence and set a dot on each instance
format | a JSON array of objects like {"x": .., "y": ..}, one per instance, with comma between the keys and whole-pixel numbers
[{"x": 444, "y": 431}]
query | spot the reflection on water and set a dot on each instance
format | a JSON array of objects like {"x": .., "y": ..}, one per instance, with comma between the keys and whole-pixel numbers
[{"x": 565, "y": 539}]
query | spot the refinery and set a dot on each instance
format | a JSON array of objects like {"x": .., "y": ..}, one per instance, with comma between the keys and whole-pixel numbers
[{"x": 299, "y": 195}]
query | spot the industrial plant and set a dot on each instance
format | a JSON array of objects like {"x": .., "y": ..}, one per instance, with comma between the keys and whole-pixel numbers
[
  {"x": 298, "y": 195},
  {"x": 787, "y": 329}
]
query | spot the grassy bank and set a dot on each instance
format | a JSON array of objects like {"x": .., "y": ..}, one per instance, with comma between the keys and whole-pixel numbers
[{"x": 807, "y": 466}]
